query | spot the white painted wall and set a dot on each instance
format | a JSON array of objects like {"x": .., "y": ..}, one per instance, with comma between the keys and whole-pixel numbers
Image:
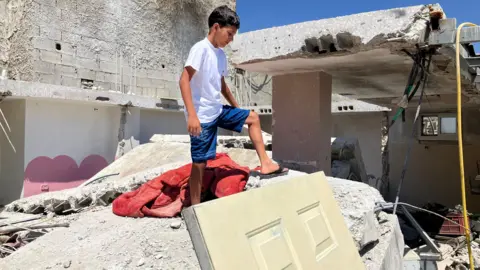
[
  {"x": 160, "y": 122},
  {"x": 12, "y": 162},
  {"x": 69, "y": 128},
  {"x": 367, "y": 128}
]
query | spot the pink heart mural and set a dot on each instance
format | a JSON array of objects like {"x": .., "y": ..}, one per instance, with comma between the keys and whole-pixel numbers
[{"x": 44, "y": 174}]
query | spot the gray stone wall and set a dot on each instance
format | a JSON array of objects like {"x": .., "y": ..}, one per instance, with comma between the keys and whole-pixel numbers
[{"x": 134, "y": 46}]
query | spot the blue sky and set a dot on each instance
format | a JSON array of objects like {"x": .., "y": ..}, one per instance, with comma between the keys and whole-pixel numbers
[{"x": 258, "y": 14}]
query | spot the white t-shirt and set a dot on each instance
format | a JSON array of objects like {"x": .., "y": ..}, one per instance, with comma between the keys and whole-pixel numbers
[{"x": 210, "y": 64}]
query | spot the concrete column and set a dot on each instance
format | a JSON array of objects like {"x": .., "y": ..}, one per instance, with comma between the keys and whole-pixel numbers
[{"x": 302, "y": 121}]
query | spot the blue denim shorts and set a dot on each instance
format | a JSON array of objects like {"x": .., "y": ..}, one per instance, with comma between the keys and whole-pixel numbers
[{"x": 204, "y": 146}]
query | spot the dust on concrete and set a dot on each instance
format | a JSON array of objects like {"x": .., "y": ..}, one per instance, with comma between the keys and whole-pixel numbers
[{"x": 100, "y": 240}]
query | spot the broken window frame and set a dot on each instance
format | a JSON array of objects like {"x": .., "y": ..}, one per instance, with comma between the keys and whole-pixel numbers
[{"x": 439, "y": 136}]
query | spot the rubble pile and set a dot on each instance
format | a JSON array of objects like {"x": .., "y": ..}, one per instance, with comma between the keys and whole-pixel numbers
[{"x": 95, "y": 232}]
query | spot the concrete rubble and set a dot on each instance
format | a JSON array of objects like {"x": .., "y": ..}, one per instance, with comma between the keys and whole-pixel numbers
[
  {"x": 166, "y": 152},
  {"x": 137, "y": 241},
  {"x": 161, "y": 244}
]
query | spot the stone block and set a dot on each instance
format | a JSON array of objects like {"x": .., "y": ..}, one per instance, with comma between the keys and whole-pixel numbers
[
  {"x": 51, "y": 57},
  {"x": 160, "y": 74},
  {"x": 46, "y": 78},
  {"x": 43, "y": 43},
  {"x": 107, "y": 66},
  {"x": 174, "y": 93},
  {"x": 86, "y": 74},
  {"x": 171, "y": 86},
  {"x": 87, "y": 63},
  {"x": 66, "y": 48},
  {"x": 100, "y": 76},
  {"x": 68, "y": 60},
  {"x": 145, "y": 82},
  {"x": 110, "y": 77},
  {"x": 50, "y": 33},
  {"x": 106, "y": 86},
  {"x": 43, "y": 67},
  {"x": 69, "y": 81},
  {"x": 302, "y": 121},
  {"x": 66, "y": 71}
]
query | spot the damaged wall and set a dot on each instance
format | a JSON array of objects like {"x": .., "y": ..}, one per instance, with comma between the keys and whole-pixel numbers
[
  {"x": 67, "y": 143},
  {"x": 12, "y": 162},
  {"x": 102, "y": 44},
  {"x": 433, "y": 172},
  {"x": 366, "y": 127}
]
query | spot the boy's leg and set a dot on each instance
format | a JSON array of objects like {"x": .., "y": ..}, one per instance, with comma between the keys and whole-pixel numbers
[
  {"x": 234, "y": 119},
  {"x": 202, "y": 148},
  {"x": 195, "y": 182}
]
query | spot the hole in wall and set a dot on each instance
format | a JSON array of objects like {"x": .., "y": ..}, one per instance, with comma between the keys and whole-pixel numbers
[
  {"x": 163, "y": 66},
  {"x": 350, "y": 107},
  {"x": 101, "y": 99},
  {"x": 86, "y": 83},
  {"x": 345, "y": 108},
  {"x": 58, "y": 46},
  {"x": 339, "y": 108}
]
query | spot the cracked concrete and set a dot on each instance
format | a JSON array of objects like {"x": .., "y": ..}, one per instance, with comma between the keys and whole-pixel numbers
[
  {"x": 101, "y": 236},
  {"x": 362, "y": 52},
  {"x": 353, "y": 33}
]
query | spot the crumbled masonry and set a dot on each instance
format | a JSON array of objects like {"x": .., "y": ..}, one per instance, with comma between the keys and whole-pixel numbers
[
  {"x": 353, "y": 33},
  {"x": 107, "y": 235}
]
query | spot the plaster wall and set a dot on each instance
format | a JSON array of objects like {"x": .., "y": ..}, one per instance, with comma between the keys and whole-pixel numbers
[
  {"x": 433, "y": 172},
  {"x": 12, "y": 162},
  {"x": 366, "y": 127},
  {"x": 67, "y": 143},
  {"x": 104, "y": 44}
]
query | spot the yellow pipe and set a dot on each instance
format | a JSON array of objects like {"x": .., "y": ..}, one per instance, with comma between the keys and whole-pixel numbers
[{"x": 460, "y": 142}]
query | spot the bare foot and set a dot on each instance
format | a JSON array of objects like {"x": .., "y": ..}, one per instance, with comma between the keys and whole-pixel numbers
[{"x": 270, "y": 168}]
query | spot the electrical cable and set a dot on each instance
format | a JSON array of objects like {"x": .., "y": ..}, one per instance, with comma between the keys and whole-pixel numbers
[{"x": 414, "y": 130}]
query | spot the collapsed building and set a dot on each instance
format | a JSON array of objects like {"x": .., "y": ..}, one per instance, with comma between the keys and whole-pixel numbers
[{"x": 85, "y": 88}]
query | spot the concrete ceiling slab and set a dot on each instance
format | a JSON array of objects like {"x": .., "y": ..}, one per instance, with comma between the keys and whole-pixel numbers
[{"x": 362, "y": 52}]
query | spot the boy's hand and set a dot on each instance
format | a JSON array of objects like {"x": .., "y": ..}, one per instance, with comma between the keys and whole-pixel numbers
[{"x": 194, "y": 127}]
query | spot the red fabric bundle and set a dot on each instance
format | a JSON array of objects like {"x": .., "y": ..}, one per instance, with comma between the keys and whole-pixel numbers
[{"x": 166, "y": 195}]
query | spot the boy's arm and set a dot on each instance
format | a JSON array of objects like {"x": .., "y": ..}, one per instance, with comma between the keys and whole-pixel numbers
[
  {"x": 186, "y": 90},
  {"x": 193, "y": 124},
  {"x": 228, "y": 94}
]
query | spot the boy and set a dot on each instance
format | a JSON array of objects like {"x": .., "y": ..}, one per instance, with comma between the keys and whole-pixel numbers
[{"x": 201, "y": 82}]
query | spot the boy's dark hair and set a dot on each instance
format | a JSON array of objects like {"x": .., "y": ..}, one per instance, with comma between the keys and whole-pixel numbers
[{"x": 224, "y": 16}]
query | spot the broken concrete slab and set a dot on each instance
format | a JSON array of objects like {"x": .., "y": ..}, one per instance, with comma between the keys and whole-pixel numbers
[
  {"x": 347, "y": 150},
  {"x": 104, "y": 237},
  {"x": 352, "y": 33},
  {"x": 305, "y": 231},
  {"x": 362, "y": 52}
]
